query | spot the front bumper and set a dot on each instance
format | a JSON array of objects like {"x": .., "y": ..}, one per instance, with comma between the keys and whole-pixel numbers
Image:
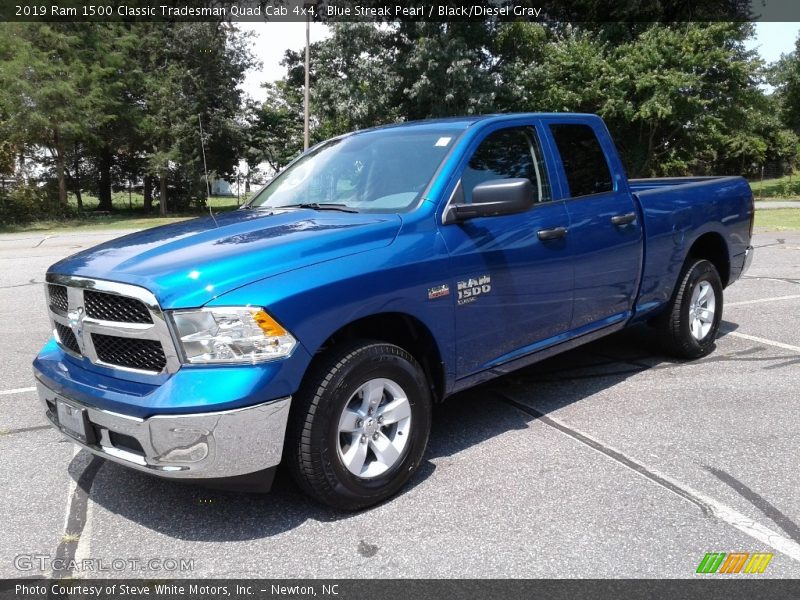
[{"x": 212, "y": 445}]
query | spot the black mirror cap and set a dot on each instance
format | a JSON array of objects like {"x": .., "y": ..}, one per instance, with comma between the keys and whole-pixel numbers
[{"x": 493, "y": 198}]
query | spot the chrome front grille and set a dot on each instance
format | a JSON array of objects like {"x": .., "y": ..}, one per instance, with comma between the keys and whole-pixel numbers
[
  {"x": 145, "y": 355},
  {"x": 57, "y": 296},
  {"x": 111, "y": 307},
  {"x": 115, "y": 325},
  {"x": 66, "y": 338}
]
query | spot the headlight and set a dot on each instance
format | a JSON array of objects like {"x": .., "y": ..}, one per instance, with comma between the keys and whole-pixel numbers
[{"x": 231, "y": 334}]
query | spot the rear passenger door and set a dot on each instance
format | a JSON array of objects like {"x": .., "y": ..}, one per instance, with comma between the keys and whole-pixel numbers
[
  {"x": 605, "y": 234},
  {"x": 511, "y": 289}
]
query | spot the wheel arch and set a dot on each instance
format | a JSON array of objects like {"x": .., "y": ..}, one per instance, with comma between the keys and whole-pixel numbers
[
  {"x": 403, "y": 330},
  {"x": 711, "y": 246}
]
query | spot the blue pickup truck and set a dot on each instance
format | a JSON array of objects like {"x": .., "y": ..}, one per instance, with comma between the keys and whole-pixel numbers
[{"x": 382, "y": 271}]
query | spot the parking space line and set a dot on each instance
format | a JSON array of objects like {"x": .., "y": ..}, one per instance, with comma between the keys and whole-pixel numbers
[
  {"x": 43, "y": 240},
  {"x": 765, "y": 341},
  {"x": 20, "y": 285},
  {"x": 778, "y": 279},
  {"x": 17, "y": 391},
  {"x": 25, "y": 429},
  {"x": 760, "y": 300},
  {"x": 77, "y": 506},
  {"x": 707, "y": 504}
]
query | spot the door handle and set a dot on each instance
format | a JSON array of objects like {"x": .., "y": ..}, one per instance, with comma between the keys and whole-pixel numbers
[
  {"x": 551, "y": 234},
  {"x": 623, "y": 219}
]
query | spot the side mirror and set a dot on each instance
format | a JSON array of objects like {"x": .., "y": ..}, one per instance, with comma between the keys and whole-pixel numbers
[{"x": 493, "y": 198}]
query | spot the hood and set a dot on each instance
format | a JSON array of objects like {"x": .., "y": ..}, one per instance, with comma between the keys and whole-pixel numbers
[{"x": 189, "y": 263}]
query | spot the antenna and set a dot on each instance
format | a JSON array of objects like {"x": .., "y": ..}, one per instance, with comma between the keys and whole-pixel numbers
[{"x": 205, "y": 169}]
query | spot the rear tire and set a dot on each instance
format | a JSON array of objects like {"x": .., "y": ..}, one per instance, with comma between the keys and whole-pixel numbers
[
  {"x": 360, "y": 424},
  {"x": 690, "y": 325}
]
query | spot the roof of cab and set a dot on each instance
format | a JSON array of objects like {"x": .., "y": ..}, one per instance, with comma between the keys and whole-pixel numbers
[{"x": 463, "y": 122}]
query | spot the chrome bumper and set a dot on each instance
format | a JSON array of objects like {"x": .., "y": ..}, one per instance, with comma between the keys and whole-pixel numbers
[{"x": 197, "y": 446}]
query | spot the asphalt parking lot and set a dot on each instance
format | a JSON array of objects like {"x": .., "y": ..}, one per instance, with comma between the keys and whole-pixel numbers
[{"x": 608, "y": 461}]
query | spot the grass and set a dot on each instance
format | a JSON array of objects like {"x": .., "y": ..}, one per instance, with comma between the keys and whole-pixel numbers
[
  {"x": 133, "y": 203},
  {"x": 124, "y": 217},
  {"x": 128, "y": 213},
  {"x": 782, "y": 219},
  {"x": 121, "y": 201},
  {"x": 783, "y": 188},
  {"x": 118, "y": 199},
  {"x": 94, "y": 223}
]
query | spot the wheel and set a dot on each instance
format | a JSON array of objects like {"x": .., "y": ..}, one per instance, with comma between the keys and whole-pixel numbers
[
  {"x": 360, "y": 424},
  {"x": 690, "y": 326}
]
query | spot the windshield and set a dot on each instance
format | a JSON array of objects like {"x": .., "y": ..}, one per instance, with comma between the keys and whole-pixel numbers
[{"x": 378, "y": 171}]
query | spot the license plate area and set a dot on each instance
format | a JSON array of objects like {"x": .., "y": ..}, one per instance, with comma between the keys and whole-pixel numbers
[{"x": 73, "y": 420}]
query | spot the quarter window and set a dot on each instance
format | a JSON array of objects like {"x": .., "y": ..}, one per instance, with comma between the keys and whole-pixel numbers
[
  {"x": 508, "y": 154},
  {"x": 584, "y": 162}
]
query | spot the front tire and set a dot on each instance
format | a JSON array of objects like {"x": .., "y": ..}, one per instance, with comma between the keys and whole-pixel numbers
[
  {"x": 690, "y": 326},
  {"x": 360, "y": 424}
]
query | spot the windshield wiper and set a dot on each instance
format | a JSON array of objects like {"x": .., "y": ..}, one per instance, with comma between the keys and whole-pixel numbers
[{"x": 320, "y": 206}]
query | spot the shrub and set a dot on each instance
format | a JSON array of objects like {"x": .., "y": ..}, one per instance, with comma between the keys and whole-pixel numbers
[
  {"x": 789, "y": 189},
  {"x": 19, "y": 205},
  {"x": 26, "y": 203}
]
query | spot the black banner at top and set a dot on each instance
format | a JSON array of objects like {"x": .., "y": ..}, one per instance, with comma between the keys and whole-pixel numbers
[{"x": 664, "y": 11}]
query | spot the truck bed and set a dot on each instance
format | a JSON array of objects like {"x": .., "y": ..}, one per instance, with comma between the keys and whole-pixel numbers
[
  {"x": 645, "y": 184},
  {"x": 677, "y": 211}
]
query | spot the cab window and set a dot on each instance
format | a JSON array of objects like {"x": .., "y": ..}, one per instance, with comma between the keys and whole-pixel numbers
[
  {"x": 508, "y": 154},
  {"x": 584, "y": 162}
]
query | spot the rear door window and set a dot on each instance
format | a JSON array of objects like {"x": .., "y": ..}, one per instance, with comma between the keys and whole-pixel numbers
[{"x": 584, "y": 162}]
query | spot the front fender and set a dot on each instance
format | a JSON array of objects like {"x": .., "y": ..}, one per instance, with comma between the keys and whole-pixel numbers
[{"x": 316, "y": 301}]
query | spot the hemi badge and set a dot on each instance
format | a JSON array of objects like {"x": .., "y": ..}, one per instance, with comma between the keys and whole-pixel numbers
[{"x": 438, "y": 291}]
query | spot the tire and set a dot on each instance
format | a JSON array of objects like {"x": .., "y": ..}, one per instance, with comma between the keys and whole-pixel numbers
[
  {"x": 345, "y": 448},
  {"x": 690, "y": 325}
]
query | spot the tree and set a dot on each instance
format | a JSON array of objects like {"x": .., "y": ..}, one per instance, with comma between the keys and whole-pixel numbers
[
  {"x": 557, "y": 70},
  {"x": 273, "y": 130},
  {"x": 193, "y": 70},
  {"x": 365, "y": 74},
  {"x": 8, "y": 150},
  {"x": 680, "y": 98},
  {"x": 785, "y": 76},
  {"x": 445, "y": 69},
  {"x": 115, "y": 101},
  {"x": 114, "y": 85},
  {"x": 352, "y": 80},
  {"x": 41, "y": 76}
]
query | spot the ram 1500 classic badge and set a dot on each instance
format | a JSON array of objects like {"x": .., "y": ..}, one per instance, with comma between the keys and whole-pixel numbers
[{"x": 469, "y": 290}]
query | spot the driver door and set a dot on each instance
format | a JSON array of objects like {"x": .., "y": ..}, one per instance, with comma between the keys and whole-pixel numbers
[{"x": 512, "y": 290}]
